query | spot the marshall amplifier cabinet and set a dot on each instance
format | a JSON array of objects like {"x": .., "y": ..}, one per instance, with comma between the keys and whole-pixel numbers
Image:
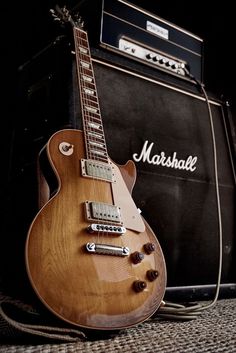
[
  {"x": 132, "y": 31},
  {"x": 165, "y": 130}
]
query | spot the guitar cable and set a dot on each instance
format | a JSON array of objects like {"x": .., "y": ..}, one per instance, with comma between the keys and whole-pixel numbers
[{"x": 190, "y": 311}]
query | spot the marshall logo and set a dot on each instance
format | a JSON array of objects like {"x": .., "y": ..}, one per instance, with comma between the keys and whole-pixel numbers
[{"x": 188, "y": 164}]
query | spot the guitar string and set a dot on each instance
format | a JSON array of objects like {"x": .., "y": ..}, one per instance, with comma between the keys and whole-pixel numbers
[
  {"x": 78, "y": 44},
  {"x": 88, "y": 118},
  {"x": 99, "y": 119},
  {"x": 104, "y": 233}
]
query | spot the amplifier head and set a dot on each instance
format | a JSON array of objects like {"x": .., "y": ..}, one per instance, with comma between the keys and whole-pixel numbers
[{"x": 120, "y": 26}]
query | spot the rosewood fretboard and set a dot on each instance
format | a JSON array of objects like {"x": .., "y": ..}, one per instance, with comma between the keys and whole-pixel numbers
[{"x": 92, "y": 123}]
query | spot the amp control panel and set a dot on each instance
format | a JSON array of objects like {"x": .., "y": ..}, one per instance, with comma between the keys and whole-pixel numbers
[{"x": 153, "y": 57}]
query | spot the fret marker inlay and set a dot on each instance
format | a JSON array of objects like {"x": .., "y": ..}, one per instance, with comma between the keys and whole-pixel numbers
[
  {"x": 83, "y": 50},
  {"x": 85, "y": 65},
  {"x": 91, "y": 110},
  {"x": 89, "y": 91},
  {"x": 94, "y": 125},
  {"x": 87, "y": 78}
]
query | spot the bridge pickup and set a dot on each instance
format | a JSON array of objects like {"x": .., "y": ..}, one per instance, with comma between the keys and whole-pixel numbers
[
  {"x": 98, "y": 170},
  {"x": 102, "y": 212},
  {"x": 106, "y": 228},
  {"x": 106, "y": 249}
]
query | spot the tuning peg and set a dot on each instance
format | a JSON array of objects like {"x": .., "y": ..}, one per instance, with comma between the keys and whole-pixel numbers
[{"x": 79, "y": 21}]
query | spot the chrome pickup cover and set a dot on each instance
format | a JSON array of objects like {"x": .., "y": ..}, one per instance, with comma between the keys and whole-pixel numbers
[
  {"x": 103, "y": 212},
  {"x": 97, "y": 170}
]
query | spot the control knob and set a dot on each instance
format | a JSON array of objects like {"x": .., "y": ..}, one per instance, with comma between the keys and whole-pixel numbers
[{"x": 149, "y": 56}]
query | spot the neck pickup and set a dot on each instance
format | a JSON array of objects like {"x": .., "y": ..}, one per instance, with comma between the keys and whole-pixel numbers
[{"x": 97, "y": 170}]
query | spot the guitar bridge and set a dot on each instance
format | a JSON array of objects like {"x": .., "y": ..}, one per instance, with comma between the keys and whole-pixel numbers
[
  {"x": 106, "y": 228},
  {"x": 106, "y": 249}
]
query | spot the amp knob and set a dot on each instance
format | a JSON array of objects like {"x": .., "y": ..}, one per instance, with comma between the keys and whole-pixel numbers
[
  {"x": 175, "y": 66},
  {"x": 149, "y": 56},
  {"x": 163, "y": 61},
  {"x": 156, "y": 58}
]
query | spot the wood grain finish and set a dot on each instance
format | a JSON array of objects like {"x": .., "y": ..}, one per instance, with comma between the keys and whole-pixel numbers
[{"x": 91, "y": 290}]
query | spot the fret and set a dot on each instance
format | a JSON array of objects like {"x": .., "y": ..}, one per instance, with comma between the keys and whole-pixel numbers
[
  {"x": 99, "y": 158},
  {"x": 90, "y": 100},
  {"x": 86, "y": 71},
  {"x": 82, "y": 40},
  {"x": 88, "y": 85},
  {"x": 93, "y": 119},
  {"x": 85, "y": 58},
  {"x": 89, "y": 95}
]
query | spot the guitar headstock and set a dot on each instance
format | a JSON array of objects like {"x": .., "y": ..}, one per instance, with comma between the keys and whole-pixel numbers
[{"x": 63, "y": 16}]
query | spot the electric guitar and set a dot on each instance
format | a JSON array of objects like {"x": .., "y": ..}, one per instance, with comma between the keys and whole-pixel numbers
[{"x": 91, "y": 258}]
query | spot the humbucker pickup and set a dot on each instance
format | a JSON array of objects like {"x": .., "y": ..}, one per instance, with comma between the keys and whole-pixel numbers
[
  {"x": 103, "y": 212},
  {"x": 98, "y": 170}
]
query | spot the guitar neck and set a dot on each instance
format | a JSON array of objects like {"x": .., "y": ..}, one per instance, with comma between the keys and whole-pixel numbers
[{"x": 92, "y": 123}]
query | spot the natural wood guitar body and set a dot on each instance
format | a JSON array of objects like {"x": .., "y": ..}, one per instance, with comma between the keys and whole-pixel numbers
[{"x": 92, "y": 290}]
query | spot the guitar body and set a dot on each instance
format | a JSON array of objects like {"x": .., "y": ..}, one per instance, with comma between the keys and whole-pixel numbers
[{"x": 102, "y": 288}]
